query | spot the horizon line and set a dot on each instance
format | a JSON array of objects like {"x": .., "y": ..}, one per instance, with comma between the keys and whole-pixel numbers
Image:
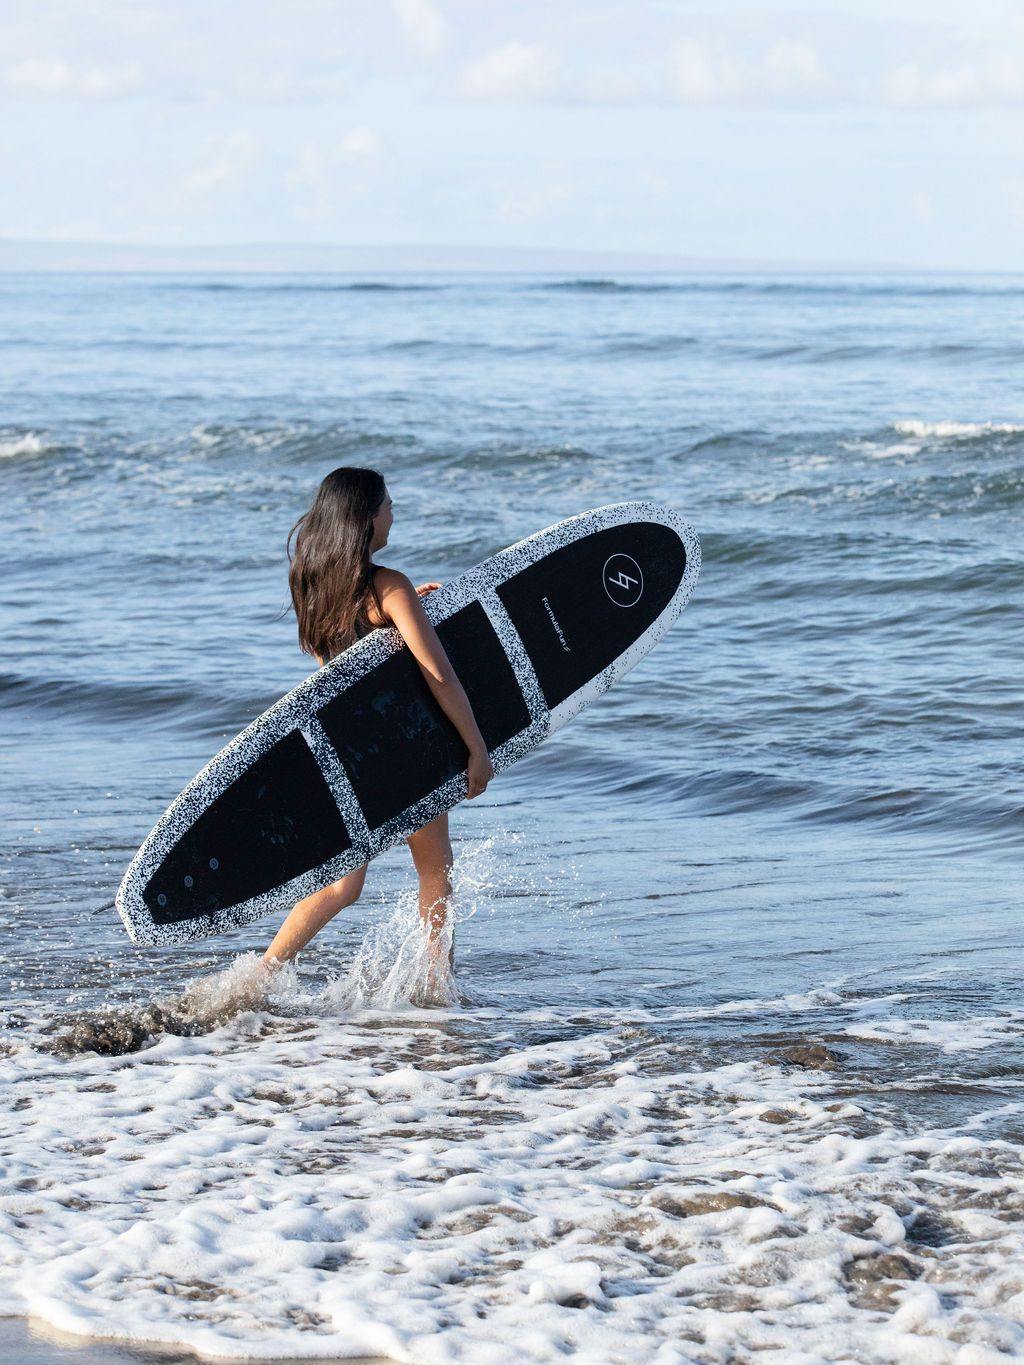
[{"x": 434, "y": 257}]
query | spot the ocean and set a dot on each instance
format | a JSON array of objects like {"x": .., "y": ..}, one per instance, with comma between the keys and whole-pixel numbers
[{"x": 736, "y": 1071}]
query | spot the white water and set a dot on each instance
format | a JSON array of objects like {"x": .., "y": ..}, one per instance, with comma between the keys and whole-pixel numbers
[
  {"x": 336, "y": 1171},
  {"x": 379, "y": 1183}
]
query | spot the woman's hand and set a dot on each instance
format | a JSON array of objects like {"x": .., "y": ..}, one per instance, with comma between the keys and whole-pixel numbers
[
  {"x": 424, "y": 588},
  {"x": 478, "y": 773}
]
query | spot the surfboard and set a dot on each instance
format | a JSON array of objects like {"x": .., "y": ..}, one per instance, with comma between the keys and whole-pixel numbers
[{"x": 360, "y": 754}]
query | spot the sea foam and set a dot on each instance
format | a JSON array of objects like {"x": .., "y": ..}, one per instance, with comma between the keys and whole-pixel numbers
[
  {"x": 956, "y": 430},
  {"x": 27, "y": 444},
  {"x": 378, "y": 1183}
]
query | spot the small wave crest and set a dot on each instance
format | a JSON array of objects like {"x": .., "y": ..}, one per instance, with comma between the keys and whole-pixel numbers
[
  {"x": 992, "y": 816},
  {"x": 606, "y": 286},
  {"x": 128, "y": 701},
  {"x": 300, "y": 287},
  {"x": 23, "y": 443},
  {"x": 297, "y": 441},
  {"x": 956, "y": 431},
  {"x": 824, "y": 286},
  {"x": 916, "y": 435},
  {"x": 664, "y": 344}
]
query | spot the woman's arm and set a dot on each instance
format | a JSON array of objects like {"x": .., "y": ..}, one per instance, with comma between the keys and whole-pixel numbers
[{"x": 403, "y": 607}]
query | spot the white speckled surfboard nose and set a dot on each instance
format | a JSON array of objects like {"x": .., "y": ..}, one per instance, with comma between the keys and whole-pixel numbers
[{"x": 360, "y": 755}]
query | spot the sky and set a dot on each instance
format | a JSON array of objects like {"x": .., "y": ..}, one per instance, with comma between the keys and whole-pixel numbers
[{"x": 859, "y": 132}]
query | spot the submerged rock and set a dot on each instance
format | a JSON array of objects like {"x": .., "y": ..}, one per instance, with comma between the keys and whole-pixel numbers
[
  {"x": 813, "y": 1056},
  {"x": 684, "y": 1205},
  {"x": 114, "y": 1034},
  {"x": 205, "y": 1004},
  {"x": 886, "y": 1266}
]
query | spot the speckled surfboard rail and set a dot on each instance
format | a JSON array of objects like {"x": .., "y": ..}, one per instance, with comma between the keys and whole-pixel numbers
[{"x": 360, "y": 754}]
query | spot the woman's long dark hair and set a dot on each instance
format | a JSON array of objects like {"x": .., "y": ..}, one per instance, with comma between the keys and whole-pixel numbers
[{"x": 329, "y": 570}]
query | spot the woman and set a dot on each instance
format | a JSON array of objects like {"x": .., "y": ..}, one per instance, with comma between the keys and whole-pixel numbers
[{"x": 339, "y": 595}]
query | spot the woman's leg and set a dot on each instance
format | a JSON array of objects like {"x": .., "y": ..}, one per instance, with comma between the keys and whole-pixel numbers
[
  {"x": 431, "y": 850},
  {"x": 310, "y": 915}
]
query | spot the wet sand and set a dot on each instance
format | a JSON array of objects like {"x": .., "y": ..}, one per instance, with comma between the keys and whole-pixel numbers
[{"x": 26, "y": 1341}]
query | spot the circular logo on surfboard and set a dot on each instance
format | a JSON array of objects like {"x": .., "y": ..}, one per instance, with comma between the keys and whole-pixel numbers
[{"x": 623, "y": 580}]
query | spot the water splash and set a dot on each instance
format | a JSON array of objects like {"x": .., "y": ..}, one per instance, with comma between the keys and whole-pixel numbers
[
  {"x": 245, "y": 984},
  {"x": 207, "y": 1003},
  {"x": 400, "y": 963}
]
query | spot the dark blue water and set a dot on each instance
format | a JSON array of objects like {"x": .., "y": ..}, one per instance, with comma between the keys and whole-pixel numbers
[
  {"x": 798, "y": 819},
  {"x": 849, "y": 448}
]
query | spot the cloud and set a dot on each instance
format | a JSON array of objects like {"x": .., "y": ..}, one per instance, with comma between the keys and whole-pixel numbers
[
  {"x": 1013, "y": 191},
  {"x": 360, "y": 145},
  {"x": 994, "y": 80},
  {"x": 516, "y": 71},
  {"x": 923, "y": 206},
  {"x": 615, "y": 85},
  {"x": 690, "y": 72},
  {"x": 788, "y": 71},
  {"x": 227, "y": 166},
  {"x": 424, "y": 26},
  {"x": 201, "y": 77},
  {"x": 523, "y": 205},
  {"x": 263, "y": 83},
  {"x": 654, "y": 182},
  {"x": 53, "y": 77},
  {"x": 324, "y": 175},
  {"x": 281, "y": 85}
]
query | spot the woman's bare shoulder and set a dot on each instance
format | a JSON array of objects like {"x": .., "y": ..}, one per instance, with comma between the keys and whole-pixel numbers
[{"x": 387, "y": 580}]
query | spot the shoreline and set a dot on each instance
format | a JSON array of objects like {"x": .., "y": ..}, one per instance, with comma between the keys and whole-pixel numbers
[{"x": 32, "y": 1341}]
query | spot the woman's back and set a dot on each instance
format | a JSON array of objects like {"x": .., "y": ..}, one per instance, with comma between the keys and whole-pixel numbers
[{"x": 371, "y": 617}]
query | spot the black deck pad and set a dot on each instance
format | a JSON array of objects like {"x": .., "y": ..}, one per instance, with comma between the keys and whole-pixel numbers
[
  {"x": 581, "y": 606},
  {"x": 278, "y": 819},
  {"x": 393, "y": 739}
]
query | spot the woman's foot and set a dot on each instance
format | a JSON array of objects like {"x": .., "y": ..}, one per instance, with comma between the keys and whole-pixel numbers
[{"x": 437, "y": 984}]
